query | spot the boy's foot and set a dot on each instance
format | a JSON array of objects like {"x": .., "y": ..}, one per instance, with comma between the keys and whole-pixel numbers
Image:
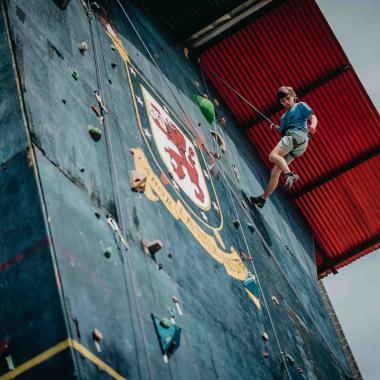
[
  {"x": 258, "y": 201},
  {"x": 290, "y": 179}
]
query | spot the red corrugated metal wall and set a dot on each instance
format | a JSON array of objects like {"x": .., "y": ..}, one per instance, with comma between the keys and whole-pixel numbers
[{"x": 292, "y": 44}]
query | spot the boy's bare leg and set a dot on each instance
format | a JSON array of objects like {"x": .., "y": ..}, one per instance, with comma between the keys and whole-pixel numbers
[
  {"x": 277, "y": 157},
  {"x": 273, "y": 182}
]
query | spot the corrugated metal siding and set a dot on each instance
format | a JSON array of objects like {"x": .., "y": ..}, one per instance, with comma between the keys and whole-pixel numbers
[{"x": 294, "y": 45}]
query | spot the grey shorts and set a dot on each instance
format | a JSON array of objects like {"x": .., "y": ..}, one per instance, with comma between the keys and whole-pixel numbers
[{"x": 294, "y": 143}]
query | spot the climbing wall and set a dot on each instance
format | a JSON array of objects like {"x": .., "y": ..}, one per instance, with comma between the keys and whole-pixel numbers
[{"x": 131, "y": 249}]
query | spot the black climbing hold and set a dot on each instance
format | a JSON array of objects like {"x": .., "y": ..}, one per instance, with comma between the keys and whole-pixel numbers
[
  {"x": 75, "y": 74},
  {"x": 97, "y": 215},
  {"x": 95, "y": 133},
  {"x": 160, "y": 266},
  {"x": 113, "y": 65},
  {"x": 153, "y": 246},
  {"x": 108, "y": 252},
  {"x": 236, "y": 223},
  {"x": 112, "y": 47},
  {"x": 64, "y": 101}
]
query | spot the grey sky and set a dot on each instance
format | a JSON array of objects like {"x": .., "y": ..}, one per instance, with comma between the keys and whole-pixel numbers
[{"x": 355, "y": 291}]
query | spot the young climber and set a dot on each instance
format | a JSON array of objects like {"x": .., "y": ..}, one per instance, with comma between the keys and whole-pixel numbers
[{"x": 297, "y": 121}]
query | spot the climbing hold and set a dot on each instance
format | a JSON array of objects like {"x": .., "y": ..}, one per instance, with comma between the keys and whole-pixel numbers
[
  {"x": 160, "y": 266},
  {"x": 214, "y": 171},
  {"x": 196, "y": 84},
  {"x": 299, "y": 370},
  {"x": 275, "y": 300},
  {"x": 112, "y": 47},
  {"x": 75, "y": 74},
  {"x": 186, "y": 52},
  {"x": 168, "y": 334},
  {"x": 10, "y": 363},
  {"x": 216, "y": 155},
  {"x": 219, "y": 140},
  {"x": 97, "y": 215},
  {"x": 244, "y": 256},
  {"x": 97, "y": 335},
  {"x": 250, "y": 227},
  {"x": 137, "y": 181},
  {"x": 251, "y": 284},
  {"x": 266, "y": 355},
  {"x": 206, "y": 107},
  {"x": 165, "y": 323},
  {"x": 108, "y": 252},
  {"x": 177, "y": 305},
  {"x": 216, "y": 103},
  {"x": 82, "y": 169},
  {"x": 153, "y": 246},
  {"x": 265, "y": 336},
  {"x": 95, "y": 133},
  {"x": 95, "y": 109},
  {"x": 113, "y": 65},
  {"x": 236, "y": 223},
  {"x": 64, "y": 101},
  {"x": 234, "y": 168},
  {"x": 100, "y": 102},
  {"x": 83, "y": 47},
  {"x": 290, "y": 359}
]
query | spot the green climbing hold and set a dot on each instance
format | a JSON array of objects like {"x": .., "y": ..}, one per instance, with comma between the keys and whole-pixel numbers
[
  {"x": 75, "y": 74},
  {"x": 165, "y": 323},
  {"x": 108, "y": 252},
  {"x": 95, "y": 133},
  {"x": 206, "y": 107}
]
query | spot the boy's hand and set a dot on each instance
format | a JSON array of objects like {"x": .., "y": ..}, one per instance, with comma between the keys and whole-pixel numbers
[{"x": 312, "y": 130}]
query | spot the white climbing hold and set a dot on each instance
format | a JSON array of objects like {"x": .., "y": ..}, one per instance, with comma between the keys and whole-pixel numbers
[
  {"x": 137, "y": 181},
  {"x": 83, "y": 47}
]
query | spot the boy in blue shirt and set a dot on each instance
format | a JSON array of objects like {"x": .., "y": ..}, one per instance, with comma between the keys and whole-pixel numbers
[{"x": 294, "y": 129}]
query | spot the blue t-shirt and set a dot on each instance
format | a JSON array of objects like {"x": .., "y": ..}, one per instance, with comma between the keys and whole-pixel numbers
[{"x": 296, "y": 118}]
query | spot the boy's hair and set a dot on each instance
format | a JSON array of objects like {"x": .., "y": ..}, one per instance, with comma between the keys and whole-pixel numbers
[{"x": 284, "y": 91}]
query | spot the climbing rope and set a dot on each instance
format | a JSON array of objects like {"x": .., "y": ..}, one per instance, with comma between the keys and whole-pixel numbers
[{"x": 271, "y": 124}]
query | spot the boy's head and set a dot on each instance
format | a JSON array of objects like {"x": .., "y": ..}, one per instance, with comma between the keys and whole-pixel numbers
[
  {"x": 284, "y": 94},
  {"x": 284, "y": 91}
]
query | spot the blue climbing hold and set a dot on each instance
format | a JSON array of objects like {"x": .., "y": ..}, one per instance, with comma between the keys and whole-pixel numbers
[
  {"x": 250, "y": 283},
  {"x": 168, "y": 334}
]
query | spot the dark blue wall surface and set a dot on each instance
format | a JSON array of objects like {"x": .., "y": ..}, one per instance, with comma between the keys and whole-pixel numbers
[{"x": 77, "y": 182}]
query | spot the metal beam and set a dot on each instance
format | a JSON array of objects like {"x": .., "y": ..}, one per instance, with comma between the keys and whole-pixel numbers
[
  {"x": 337, "y": 172},
  {"x": 199, "y": 43},
  {"x": 349, "y": 254},
  {"x": 301, "y": 92},
  {"x": 328, "y": 263}
]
